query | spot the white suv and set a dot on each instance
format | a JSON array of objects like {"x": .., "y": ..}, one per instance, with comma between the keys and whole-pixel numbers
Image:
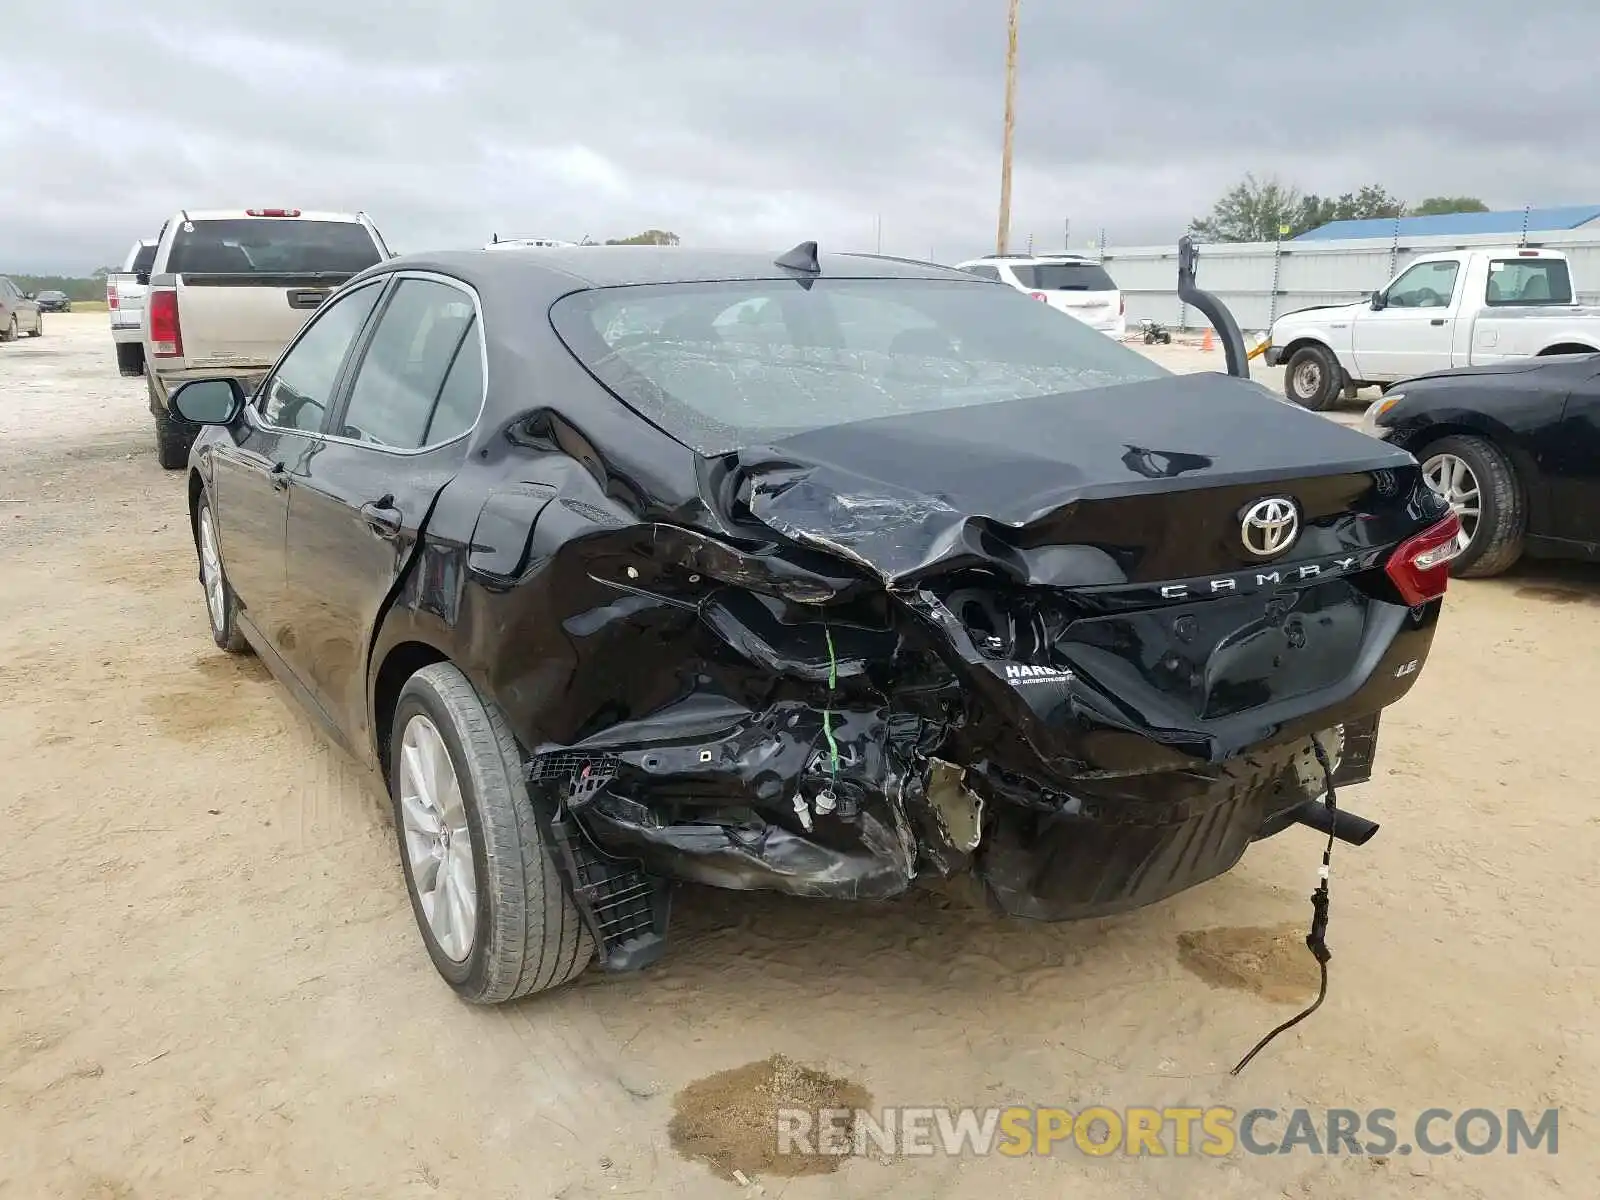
[{"x": 1076, "y": 285}]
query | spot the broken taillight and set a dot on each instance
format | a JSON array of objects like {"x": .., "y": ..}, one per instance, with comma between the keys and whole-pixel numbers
[
  {"x": 1420, "y": 566},
  {"x": 166, "y": 334}
]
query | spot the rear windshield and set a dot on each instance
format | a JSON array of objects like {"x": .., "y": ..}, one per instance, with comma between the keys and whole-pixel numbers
[
  {"x": 272, "y": 246},
  {"x": 1064, "y": 277},
  {"x": 143, "y": 259},
  {"x": 724, "y": 366},
  {"x": 1529, "y": 281}
]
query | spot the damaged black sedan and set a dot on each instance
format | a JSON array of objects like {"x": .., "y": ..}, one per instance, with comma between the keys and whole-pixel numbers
[{"x": 817, "y": 575}]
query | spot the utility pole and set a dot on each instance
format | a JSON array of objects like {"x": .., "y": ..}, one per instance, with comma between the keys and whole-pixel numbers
[{"x": 1004, "y": 234}]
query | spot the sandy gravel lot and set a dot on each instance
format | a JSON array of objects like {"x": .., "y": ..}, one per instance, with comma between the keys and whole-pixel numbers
[{"x": 211, "y": 986}]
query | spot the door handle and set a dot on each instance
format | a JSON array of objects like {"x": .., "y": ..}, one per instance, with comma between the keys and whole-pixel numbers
[
  {"x": 1437, "y": 321},
  {"x": 279, "y": 477},
  {"x": 382, "y": 517}
]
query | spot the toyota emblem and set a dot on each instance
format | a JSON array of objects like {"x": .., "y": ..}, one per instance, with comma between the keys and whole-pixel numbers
[{"x": 1269, "y": 527}]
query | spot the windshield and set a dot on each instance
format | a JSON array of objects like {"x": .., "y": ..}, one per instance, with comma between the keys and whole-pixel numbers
[
  {"x": 272, "y": 246},
  {"x": 1064, "y": 277},
  {"x": 724, "y": 366}
]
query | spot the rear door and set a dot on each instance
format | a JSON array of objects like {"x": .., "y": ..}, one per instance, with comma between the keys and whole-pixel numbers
[
  {"x": 358, "y": 501},
  {"x": 248, "y": 284},
  {"x": 279, "y": 428},
  {"x": 1414, "y": 331},
  {"x": 1080, "y": 289}
]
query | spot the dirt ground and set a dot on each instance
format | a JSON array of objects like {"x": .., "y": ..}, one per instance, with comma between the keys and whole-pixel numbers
[{"x": 211, "y": 985}]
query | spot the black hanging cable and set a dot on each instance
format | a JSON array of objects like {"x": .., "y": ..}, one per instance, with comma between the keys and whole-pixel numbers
[{"x": 1316, "y": 940}]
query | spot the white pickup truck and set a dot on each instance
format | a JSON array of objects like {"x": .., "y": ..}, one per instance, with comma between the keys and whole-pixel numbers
[
  {"x": 125, "y": 291},
  {"x": 230, "y": 289},
  {"x": 1459, "y": 309}
]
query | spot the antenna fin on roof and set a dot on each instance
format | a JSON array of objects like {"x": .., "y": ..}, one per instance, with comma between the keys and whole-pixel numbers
[{"x": 802, "y": 258}]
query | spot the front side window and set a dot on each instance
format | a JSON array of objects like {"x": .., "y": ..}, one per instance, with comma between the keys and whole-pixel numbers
[
  {"x": 1426, "y": 285},
  {"x": 412, "y": 352},
  {"x": 1529, "y": 281},
  {"x": 301, "y": 388},
  {"x": 827, "y": 352}
]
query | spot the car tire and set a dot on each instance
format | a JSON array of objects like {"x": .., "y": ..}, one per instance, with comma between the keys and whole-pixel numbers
[
  {"x": 523, "y": 934},
  {"x": 222, "y": 606},
  {"x": 1312, "y": 378},
  {"x": 38, "y": 326},
  {"x": 174, "y": 436},
  {"x": 1484, "y": 479},
  {"x": 10, "y": 332},
  {"x": 130, "y": 359}
]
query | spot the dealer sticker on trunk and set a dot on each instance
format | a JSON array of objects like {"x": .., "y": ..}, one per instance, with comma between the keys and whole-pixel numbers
[{"x": 1020, "y": 673}]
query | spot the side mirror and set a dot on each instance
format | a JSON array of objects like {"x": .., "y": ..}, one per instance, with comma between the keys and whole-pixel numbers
[
  {"x": 27, "y": 295},
  {"x": 207, "y": 401},
  {"x": 1379, "y": 301}
]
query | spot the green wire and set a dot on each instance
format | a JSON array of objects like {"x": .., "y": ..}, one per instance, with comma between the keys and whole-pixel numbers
[{"x": 827, "y": 712}]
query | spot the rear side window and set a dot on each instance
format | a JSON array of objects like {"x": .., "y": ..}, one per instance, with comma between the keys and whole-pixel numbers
[
  {"x": 272, "y": 246},
  {"x": 1529, "y": 281},
  {"x": 401, "y": 378},
  {"x": 1064, "y": 277},
  {"x": 143, "y": 260}
]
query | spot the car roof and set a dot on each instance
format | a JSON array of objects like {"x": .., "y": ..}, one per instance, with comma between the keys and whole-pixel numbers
[
  {"x": 232, "y": 214},
  {"x": 625, "y": 266}
]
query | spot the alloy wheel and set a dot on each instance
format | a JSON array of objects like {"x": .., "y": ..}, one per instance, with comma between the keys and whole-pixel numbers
[
  {"x": 1453, "y": 481},
  {"x": 211, "y": 573},
  {"x": 438, "y": 842}
]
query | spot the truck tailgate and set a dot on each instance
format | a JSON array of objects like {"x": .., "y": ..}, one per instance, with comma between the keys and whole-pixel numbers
[{"x": 245, "y": 320}]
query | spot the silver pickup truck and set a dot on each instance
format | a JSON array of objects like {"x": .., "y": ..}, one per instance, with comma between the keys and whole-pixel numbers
[
  {"x": 125, "y": 290},
  {"x": 230, "y": 289}
]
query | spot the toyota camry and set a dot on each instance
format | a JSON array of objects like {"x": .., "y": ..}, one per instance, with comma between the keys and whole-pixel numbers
[{"x": 819, "y": 574}]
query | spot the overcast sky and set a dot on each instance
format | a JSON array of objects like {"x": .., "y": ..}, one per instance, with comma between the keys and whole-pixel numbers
[{"x": 756, "y": 123}]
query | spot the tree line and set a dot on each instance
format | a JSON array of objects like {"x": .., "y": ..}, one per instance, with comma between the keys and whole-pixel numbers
[{"x": 1263, "y": 210}]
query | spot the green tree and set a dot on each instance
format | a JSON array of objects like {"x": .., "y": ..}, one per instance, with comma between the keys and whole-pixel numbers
[
  {"x": 1438, "y": 206},
  {"x": 1251, "y": 211},
  {"x": 650, "y": 237},
  {"x": 1261, "y": 211}
]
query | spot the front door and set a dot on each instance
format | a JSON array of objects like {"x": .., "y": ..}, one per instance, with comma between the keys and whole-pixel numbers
[
  {"x": 358, "y": 504},
  {"x": 1569, "y": 456},
  {"x": 1414, "y": 331},
  {"x": 269, "y": 443}
]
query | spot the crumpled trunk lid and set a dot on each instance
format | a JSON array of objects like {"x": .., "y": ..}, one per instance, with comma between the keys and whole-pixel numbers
[{"x": 1106, "y": 558}]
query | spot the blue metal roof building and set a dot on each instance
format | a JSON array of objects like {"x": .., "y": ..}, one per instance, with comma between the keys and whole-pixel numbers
[{"x": 1509, "y": 223}]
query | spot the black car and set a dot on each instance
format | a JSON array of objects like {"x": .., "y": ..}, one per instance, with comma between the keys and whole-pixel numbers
[
  {"x": 1513, "y": 447},
  {"x": 807, "y": 574},
  {"x": 53, "y": 302}
]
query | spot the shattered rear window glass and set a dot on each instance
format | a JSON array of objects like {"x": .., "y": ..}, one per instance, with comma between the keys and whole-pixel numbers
[{"x": 726, "y": 366}]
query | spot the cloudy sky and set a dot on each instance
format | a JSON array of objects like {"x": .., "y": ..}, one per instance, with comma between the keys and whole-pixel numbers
[{"x": 764, "y": 123}]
